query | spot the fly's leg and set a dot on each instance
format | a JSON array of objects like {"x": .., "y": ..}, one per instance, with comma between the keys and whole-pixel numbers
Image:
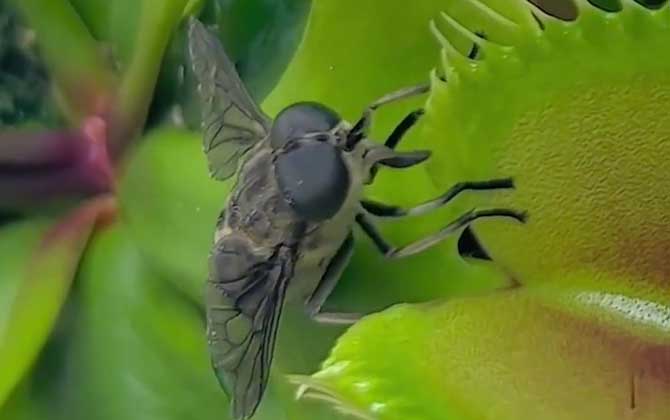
[
  {"x": 330, "y": 277},
  {"x": 389, "y": 211},
  {"x": 337, "y": 318},
  {"x": 385, "y": 155},
  {"x": 381, "y": 155},
  {"x": 462, "y": 222},
  {"x": 399, "y": 95},
  {"x": 402, "y": 128},
  {"x": 396, "y": 135},
  {"x": 361, "y": 127},
  {"x": 327, "y": 284}
]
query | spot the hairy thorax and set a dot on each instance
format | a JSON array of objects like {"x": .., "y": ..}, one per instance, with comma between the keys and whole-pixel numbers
[{"x": 256, "y": 208}]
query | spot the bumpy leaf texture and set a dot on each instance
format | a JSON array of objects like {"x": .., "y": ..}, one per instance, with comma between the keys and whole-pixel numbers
[{"x": 570, "y": 109}]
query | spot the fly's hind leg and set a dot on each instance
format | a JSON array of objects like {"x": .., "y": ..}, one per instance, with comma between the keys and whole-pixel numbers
[
  {"x": 325, "y": 287},
  {"x": 382, "y": 210},
  {"x": 462, "y": 222}
]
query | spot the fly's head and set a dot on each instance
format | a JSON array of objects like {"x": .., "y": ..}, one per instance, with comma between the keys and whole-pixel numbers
[
  {"x": 309, "y": 163},
  {"x": 320, "y": 159}
]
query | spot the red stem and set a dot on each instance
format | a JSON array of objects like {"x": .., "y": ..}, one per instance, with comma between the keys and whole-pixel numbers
[{"x": 38, "y": 169}]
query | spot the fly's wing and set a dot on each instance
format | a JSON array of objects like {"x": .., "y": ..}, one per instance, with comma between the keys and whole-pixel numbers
[
  {"x": 232, "y": 123},
  {"x": 245, "y": 296}
]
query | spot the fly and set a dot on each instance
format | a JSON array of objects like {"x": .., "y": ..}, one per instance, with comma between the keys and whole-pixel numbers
[{"x": 286, "y": 232}]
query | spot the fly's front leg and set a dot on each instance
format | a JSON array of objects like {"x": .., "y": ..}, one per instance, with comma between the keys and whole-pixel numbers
[
  {"x": 397, "y": 134},
  {"x": 402, "y": 128},
  {"x": 376, "y": 155},
  {"x": 391, "y": 251},
  {"x": 360, "y": 129},
  {"x": 378, "y": 209},
  {"x": 326, "y": 285}
]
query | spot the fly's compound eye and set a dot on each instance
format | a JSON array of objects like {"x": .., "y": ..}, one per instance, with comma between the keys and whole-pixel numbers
[
  {"x": 300, "y": 119},
  {"x": 314, "y": 179}
]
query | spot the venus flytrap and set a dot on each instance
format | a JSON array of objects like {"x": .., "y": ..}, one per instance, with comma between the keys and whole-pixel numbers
[{"x": 570, "y": 109}]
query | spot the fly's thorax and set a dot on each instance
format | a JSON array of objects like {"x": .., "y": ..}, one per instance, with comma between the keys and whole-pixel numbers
[
  {"x": 256, "y": 206},
  {"x": 322, "y": 239}
]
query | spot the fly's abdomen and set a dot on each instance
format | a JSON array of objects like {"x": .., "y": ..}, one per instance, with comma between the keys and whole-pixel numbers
[
  {"x": 232, "y": 260},
  {"x": 245, "y": 292}
]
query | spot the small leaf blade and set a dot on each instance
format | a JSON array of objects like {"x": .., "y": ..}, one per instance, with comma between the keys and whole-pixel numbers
[{"x": 41, "y": 289}]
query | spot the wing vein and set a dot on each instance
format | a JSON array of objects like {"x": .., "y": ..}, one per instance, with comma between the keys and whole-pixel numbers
[{"x": 221, "y": 91}]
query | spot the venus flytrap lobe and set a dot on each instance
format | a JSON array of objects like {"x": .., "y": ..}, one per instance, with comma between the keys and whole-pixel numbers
[{"x": 570, "y": 110}]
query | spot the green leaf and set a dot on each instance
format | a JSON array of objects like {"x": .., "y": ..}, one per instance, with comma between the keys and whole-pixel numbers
[
  {"x": 171, "y": 206},
  {"x": 24, "y": 406},
  {"x": 37, "y": 284},
  {"x": 114, "y": 24},
  {"x": 158, "y": 20},
  {"x": 139, "y": 350},
  {"x": 261, "y": 37},
  {"x": 17, "y": 240},
  {"x": 506, "y": 356}
]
